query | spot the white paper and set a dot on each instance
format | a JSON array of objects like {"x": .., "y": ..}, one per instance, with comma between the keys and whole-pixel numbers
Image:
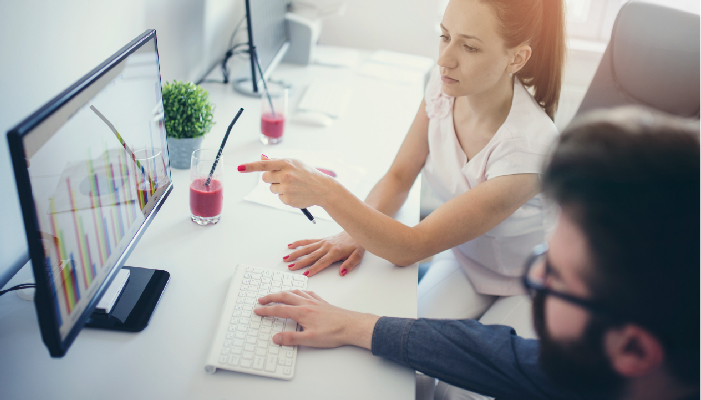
[
  {"x": 350, "y": 176},
  {"x": 408, "y": 61},
  {"x": 391, "y": 73},
  {"x": 336, "y": 56}
]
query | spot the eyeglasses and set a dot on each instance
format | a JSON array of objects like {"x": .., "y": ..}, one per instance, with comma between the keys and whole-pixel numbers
[{"x": 535, "y": 283}]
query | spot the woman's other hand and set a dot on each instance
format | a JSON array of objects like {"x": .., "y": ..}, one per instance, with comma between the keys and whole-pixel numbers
[
  {"x": 324, "y": 325},
  {"x": 320, "y": 253},
  {"x": 296, "y": 184}
]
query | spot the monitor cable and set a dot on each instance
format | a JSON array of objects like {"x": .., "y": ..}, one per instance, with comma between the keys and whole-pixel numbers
[{"x": 18, "y": 287}]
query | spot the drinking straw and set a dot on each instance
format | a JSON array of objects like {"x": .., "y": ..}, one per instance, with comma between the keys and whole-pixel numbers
[
  {"x": 221, "y": 148},
  {"x": 128, "y": 150},
  {"x": 265, "y": 86}
]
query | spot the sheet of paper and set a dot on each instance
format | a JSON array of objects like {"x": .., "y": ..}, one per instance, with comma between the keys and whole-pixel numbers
[
  {"x": 408, "y": 61},
  {"x": 350, "y": 176},
  {"x": 391, "y": 73},
  {"x": 336, "y": 56}
]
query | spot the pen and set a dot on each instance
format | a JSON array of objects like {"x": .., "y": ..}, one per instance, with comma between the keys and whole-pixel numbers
[{"x": 309, "y": 215}]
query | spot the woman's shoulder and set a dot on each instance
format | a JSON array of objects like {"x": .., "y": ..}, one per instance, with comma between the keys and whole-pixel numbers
[
  {"x": 527, "y": 122},
  {"x": 438, "y": 104}
]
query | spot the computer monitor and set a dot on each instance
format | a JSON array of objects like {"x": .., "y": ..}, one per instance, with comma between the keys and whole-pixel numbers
[
  {"x": 92, "y": 170},
  {"x": 268, "y": 35}
]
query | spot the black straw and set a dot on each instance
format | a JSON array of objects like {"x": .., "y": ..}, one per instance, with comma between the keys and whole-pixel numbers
[
  {"x": 221, "y": 148},
  {"x": 265, "y": 85}
]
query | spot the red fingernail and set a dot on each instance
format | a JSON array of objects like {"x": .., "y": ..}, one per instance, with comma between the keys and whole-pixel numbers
[
  {"x": 290, "y": 266},
  {"x": 344, "y": 272},
  {"x": 242, "y": 168},
  {"x": 289, "y": 245},
  {"x": 264, "y": 155},
  {"x": 286, "y": 257},
  {"x": 305, "y": 273}
]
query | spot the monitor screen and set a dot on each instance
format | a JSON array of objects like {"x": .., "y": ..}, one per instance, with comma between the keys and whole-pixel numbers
[{"x": 91, "y": 168}]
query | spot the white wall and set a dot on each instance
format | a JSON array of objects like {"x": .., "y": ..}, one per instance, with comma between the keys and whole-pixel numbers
[{"x": 47, "y": 45}]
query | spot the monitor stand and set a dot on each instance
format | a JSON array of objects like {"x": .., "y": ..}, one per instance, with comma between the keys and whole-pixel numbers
[{"x": 140, "y": 295}]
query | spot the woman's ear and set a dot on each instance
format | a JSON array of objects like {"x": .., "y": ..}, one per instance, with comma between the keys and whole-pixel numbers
[{"x": 519, "y": 57}]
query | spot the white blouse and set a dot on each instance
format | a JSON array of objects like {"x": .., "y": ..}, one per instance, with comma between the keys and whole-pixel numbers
[{"x": 494, "y": 261}]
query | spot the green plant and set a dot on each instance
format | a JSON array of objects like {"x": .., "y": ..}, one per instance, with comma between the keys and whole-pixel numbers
[{"x": 188, "y": 112}]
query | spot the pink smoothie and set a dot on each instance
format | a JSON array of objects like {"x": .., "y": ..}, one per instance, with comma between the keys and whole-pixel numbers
[
  {"x": 272, "y": 126},
  {"x": 206, "y": 201}
]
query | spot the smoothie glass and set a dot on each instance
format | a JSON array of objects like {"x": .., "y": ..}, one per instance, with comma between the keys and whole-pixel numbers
[
  {"x": 150, "y": 175},
  {"x": 206, "y": 199},
  {"x": 272, "y": 120}
]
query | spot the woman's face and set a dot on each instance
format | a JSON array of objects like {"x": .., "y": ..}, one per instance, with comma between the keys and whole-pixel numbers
[{"x": 473, "y": 57}]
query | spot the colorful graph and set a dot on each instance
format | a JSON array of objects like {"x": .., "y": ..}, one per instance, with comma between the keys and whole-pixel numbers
[{"x": 85, "y": 239}]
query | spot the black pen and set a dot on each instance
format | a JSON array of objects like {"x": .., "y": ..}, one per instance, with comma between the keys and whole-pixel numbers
[{"x": 309, "y": 215}]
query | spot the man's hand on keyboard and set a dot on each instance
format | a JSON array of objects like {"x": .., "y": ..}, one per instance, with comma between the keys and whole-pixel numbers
[
  {"x": 320, "y": 253},
  {"x": 324, "y": 325}
]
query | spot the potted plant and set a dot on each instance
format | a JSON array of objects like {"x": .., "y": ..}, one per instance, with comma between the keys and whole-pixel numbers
[{"x": 188, "y": 117}]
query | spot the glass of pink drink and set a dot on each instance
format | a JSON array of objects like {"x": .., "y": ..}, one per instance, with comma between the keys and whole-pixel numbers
[
  {"x": 206, "y": 198},
  {"x": 272, "y": 119}
]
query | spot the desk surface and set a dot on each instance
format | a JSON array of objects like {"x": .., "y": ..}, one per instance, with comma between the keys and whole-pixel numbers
[{"x": 167, "y": 359}]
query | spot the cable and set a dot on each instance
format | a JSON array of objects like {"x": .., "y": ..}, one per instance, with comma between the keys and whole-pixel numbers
[
  {"x": 236, "y": 30},
  {"x": 18, "y": 287}
]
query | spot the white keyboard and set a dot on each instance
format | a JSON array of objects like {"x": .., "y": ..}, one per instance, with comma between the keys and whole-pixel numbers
[
  {"x": 327, "y": 97},
  {"x": 243, "y": 340}
]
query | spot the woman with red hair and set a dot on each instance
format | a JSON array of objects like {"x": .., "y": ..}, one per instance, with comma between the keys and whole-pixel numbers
[{"x": 480, "y": 136}]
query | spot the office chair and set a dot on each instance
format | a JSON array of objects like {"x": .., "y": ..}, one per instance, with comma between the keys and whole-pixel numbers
[{"x": 652, "y": 59}]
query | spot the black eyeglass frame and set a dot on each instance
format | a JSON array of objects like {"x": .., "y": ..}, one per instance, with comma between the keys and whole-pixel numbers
[{"x": 532, "y": 287}]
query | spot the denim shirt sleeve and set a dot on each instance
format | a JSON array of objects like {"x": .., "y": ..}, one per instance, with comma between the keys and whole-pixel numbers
[{"x": 488, "y": 359}]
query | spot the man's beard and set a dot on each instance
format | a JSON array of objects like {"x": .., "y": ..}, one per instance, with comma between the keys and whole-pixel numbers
[{"x": 580, "y": 365}]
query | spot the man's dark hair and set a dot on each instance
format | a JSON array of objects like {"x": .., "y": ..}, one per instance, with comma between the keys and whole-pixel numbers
[{"x": 630, "y": 179}]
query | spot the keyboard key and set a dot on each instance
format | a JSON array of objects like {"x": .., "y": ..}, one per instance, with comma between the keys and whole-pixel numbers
[
  {"x": 236, "y": 350},
  {"x": 258, "y": 363},
  {"x": 265, "y": 279},
  {"x": 288, "y": 362},
  {"x": 248, "y": 307},
  {"x": 253, "y": 332},
  {"x": 286, "y": 287},
  {"x": 256, "y": 318},
  {"x": 230, "y": 335},
  {"x": 240, "y": 335},
  {"x": 267, "y": 273},
  {"x": 298, "y": 284},
  {"x": 251, "y": 340},
  {"x": 238, "y": 342},
  {"x": 260, "y": 351},
  {"x": 256, "y": 276},
  {"x": 267, "y": 321},
  {"x": 247, "y": 355},
  {"x": 276, "y": 283},
  {"x": 255, "y": 325},
  {"x": 298, "y": 277},
  {"x": 246, "y": 363},
  {"x": 263, "y": 343},
  {"x": 287, "y": 348},
  {"x": 223, "y": 359},
  {"x": 287, "y": 370},
  {"x": 251, "y": 293},
  {"x": 281, "y": 361},
  {"x": 225, "y": 351},
  {"x": 273, "y": 350},
  {"x": 265, "y": 329},
  {"x": 271, "y": 365},
  {"x": 234, "y": 360},
  {"x": 241, "y": 328},
  {"x": 250, "y": 301},
  {"x": 237, "y": 313},
  {"x": 255, "y": 282},
  {"x": 227, "y": 343},
  {"x": 248, "y": 275},
  {"x": 250, "y": 347},
  {"x": 264, "y": 336},
  {"x": 245, "y": 313}
]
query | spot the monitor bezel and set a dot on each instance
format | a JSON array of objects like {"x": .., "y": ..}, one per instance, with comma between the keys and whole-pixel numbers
[{"x": 43, "y": 300}]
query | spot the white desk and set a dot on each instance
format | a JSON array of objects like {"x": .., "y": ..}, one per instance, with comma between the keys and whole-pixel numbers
[{"x": 166, "y": 360}]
